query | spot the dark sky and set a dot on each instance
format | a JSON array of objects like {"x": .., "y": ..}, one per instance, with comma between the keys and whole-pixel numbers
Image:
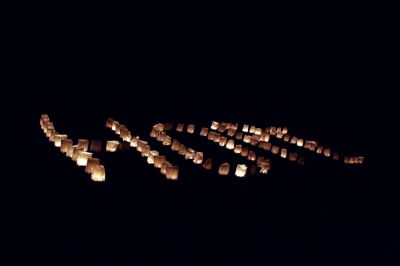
[{"x": 318, "y": 81}]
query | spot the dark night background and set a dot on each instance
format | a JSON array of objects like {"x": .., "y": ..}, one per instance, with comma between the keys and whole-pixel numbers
[{"x": 317, "y": 78}]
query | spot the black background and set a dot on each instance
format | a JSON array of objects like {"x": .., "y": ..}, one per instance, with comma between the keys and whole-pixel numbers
[{"x": 318, "y": 79}]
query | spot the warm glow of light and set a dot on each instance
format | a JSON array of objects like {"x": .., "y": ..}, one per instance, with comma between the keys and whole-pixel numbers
[
  {"x": 204, "y": 132},
  {"x": 221, "y": 127},
  {"x": 175, "y": 145},
  {"x": 114, "y": 126},
  {"x": 83, "y": 157},
  {"x": 222, "y": 141},
  {"x": 191, "y": 128},
  {"x": 247, "y": 139},
  {"x": 258, "y": 131},
  {"x": 189, "y": 155},
  {"x": 182, "y": 150},
  {"x": 283, "y": 153},
  {"x": 241, "y": 170},
  {"x": 109, "y": 122},
  {"x": 134, "y": 142},
  {"x": 159, "y": 127},
  {"x": 145, "y": 150},
  {"x": 141, "y": 145},
  {"x": 293, "y": 140},
  {"x": 300, "y": 142},
  {"x": 224, "y": 169},
  {"x": 198, "y": 158},
  {"x": 252, "y": 129},
  {"x": 245, "y": 128},
  {"x": 217, "y": 137},
  {"x": 98, "y": 173},
  {"x": 230, "y": 145},
  {"x": 91, "y": 163},
  {"x": 70, "y": 151},
  {"x": 180, "y": 127},
  {"x": 238, "y": 149},
  {"x": 231, "y": 132},
  {"x": 275, "y": 149},
  {"x": 293, "y": 156},
  {"x": 112, "y": 145},
  {"x": 254, "y": 140},
  {"x": 166, "y": 141},
  {"x": 154, "y": 133},
  {"x": 264, "y": 169},
  {"x": 214, "y": 125},
  {"x": 265, "y": 137},
  {"x": 239, "y": 136},
  {"x": 207, "y": 164},
  {"x": 83, "y": 144},
  {"x": 245, "y": 151},
  {"x": 286, "y": 138},
  {"x": 252, "y": 156},
  {"x": 150, "y": 158},
  {"x": 66, "y": 144},
  {"x": 53, "y": 135},
  {"x": 211, "y": 135},
  {"x": 320, "y": 149},
  {"x": 327, "y": 152},
  {"x": 58, "y": 138},
  {"x": 172, "y": 172},
  {"x": 158, "y": 160},
  {"x": 164, "y": 167},
  {"x": 264, "y": 145}
]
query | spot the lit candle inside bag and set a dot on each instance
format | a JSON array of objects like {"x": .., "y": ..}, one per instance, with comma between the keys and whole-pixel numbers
[
  {"x": 180, "y": 127},
  {"x": 191, "y": 128},
  {"x": 222, "y": 141},
  {"x": 275, "y": 149},
  {"x": 83, "y": 157},
  {"x": 172, "y": 172},
  {"x": 198, "y": 158},
  {"x": 230, "y": 145},
  {"x": 58, "y": 138},
  {"x": 158, "y": 160},
  {"x": 207, "y": 164},
  {"x": 112, "y": 145},
  {"x": 214, "y": 125},
  {"x": 283, "y": 153},
  {"x": 189, "y": 154},
  {"x": 245, "y": 151},
  {"x": 252, "y": 156},
  {"x": 224, "y": 169},
  {"x": 134, "y": 142},
  {"x": 241, "y": 170},
  {"x": 204, "y": 132},
  {"x": 98, "y": 173},
  {"x": 239, "y": 136},
  {"x": 91, "y": 163},
  {"x": 238, "y": 149},
  {"x": 83, "y": 144},
  {"x": 66, "y": 144}
]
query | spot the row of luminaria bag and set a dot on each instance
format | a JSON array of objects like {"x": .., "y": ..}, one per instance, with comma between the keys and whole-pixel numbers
[
  {"x": 171, "y": 172},
  {"x": 78, "y": 153}
]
